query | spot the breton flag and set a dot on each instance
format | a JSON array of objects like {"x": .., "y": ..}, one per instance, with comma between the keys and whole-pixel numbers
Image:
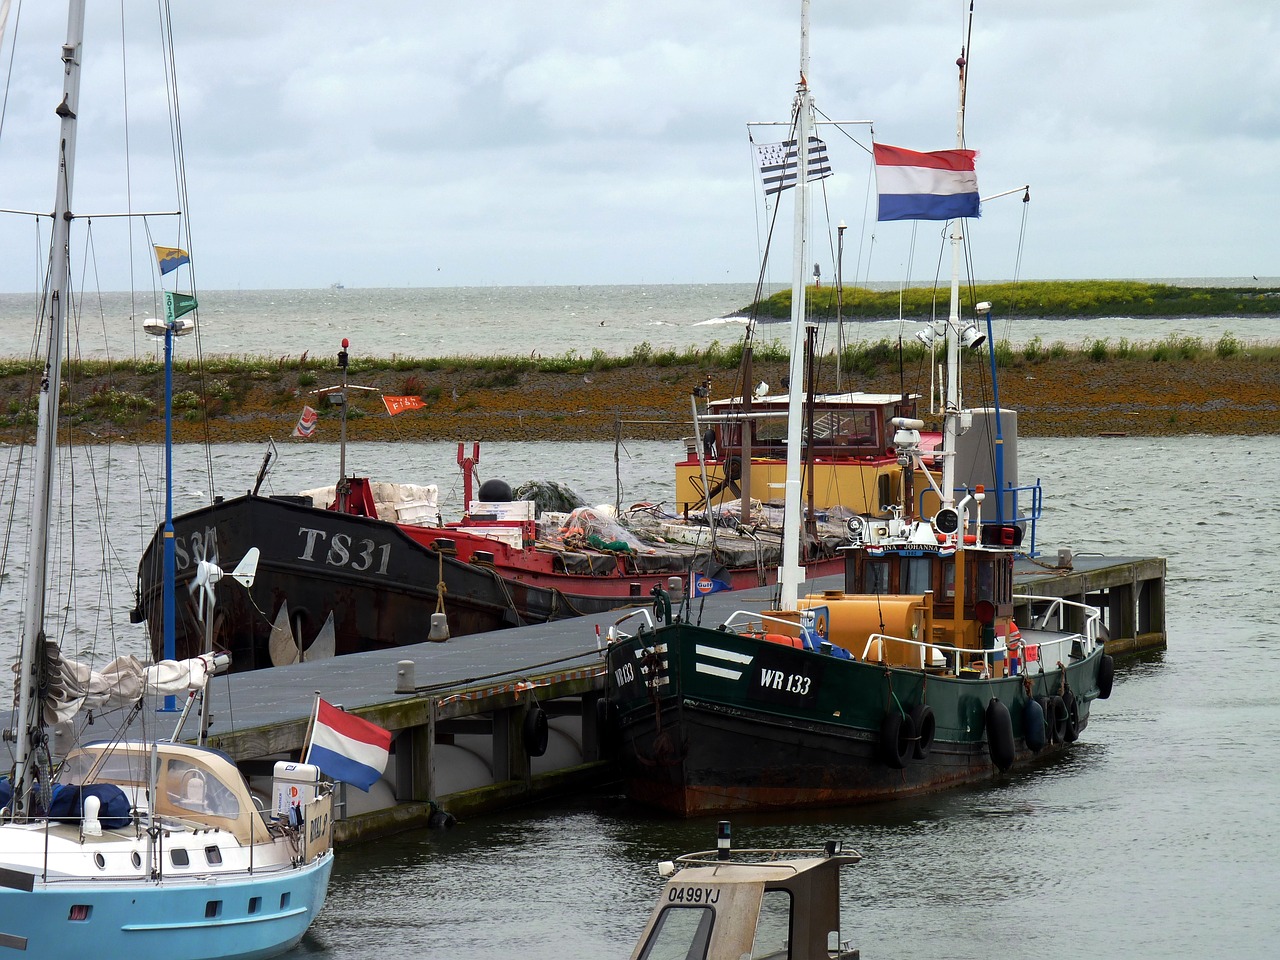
[
  {"x": 779, "y": 161},
  {"x": 926, "y": 186},
  {"x": 346, "y": 747},
  {"x": 396, "y": 405},
  {"x": 306, "y": 423},
  {"x": 170, "y": 259}
]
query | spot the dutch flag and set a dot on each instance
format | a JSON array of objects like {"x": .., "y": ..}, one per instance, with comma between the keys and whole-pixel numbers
[
  {"x": 941, "y": 185},
  {"x": 346, "y": 747}
]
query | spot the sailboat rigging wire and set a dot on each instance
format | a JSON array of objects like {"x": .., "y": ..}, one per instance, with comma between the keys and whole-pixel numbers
[
  {"x": 1017, "y": 264},
  {"x": 8, "y": 75}
]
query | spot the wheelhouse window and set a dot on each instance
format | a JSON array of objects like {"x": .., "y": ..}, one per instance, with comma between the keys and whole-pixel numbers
[
  {"x": 986, "y": 580},
  {"x": 840, "y": 432},
  {"x": 917, "y": 574},
  {"x": 948, "y": 579},
  {"x": 681, "y": 933},
  {"x": 875, "y": 576},
  {"x": 773, "y": 926}
]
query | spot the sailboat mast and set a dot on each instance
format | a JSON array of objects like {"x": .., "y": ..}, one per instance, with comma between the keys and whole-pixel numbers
[
  {"x": 789, "y": 574},
  {"x": 951, "y": 413},
  {"x": 29, "y": 718}
]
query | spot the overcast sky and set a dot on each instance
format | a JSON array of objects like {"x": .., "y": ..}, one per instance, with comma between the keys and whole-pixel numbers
[{"x": 420, "y": 143}]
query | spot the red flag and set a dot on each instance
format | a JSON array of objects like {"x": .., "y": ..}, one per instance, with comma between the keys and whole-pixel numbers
[{"x": 395, "y": 405}]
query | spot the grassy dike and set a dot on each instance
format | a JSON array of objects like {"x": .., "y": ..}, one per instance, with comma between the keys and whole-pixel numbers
[
  {"x": 1055, "y": 299},
  {"x": 1176, "y": 386}
]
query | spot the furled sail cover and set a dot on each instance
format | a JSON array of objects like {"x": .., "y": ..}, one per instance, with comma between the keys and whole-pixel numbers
[{"x": 75, "y": 686}]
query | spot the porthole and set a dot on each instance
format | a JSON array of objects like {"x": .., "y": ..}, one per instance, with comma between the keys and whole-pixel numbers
[
  {"x": 100, "y": 860},
  {"x": 137, "y": 859}
]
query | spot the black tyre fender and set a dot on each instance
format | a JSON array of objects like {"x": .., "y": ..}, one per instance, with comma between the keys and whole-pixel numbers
[
  {"x": 606, "y": 723},
  {"x": 1073, "y": 717},
  {"x": 897, "y": 739},
  {"x": 1033, "y": 730},
  {"x": 1000, "y": 734},
  {"x": 1057, "y": 720},
  {"x": 925, "y": 725},
  {"x": 534, "y": 732},
  {"x": 1106, "y": 676},
  {"x": 1045, "y": 708}
]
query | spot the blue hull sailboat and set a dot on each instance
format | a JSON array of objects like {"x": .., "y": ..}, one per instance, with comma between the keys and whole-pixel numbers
[{"x": 133, "y": 847}]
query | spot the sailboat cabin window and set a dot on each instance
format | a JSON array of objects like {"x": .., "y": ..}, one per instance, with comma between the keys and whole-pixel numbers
[
  {"x": 194, "y": 788},
  {"x": 680, "y": 933}
]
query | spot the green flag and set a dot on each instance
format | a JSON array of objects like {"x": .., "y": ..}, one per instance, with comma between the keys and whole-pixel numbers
[{"x": 178, "y": 305}]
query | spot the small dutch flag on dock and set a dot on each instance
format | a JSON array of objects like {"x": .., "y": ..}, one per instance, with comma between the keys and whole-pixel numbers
[{"x": 346, "y": 747}]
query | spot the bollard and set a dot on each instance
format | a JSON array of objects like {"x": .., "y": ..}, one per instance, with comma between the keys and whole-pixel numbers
[{"x": 404, "y": 677}]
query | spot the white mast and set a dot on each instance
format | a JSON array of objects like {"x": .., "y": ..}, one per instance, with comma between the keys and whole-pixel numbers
[
  {"x": 790, "y": 573},
  {"x": 951, "y": 412},
  {"x": 29, "y": 718}
]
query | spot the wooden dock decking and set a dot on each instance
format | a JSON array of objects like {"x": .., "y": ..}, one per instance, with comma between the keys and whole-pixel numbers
[{"x": 458, "y": 708}]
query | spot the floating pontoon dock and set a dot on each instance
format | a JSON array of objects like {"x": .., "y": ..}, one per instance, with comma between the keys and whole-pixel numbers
[{"x": 460, "y": 709}]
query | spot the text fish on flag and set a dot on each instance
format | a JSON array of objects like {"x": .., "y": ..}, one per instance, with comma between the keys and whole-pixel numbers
[
  {"x": 941, "y": 185},
  {"x": 396, "y": 405},
  {"x": 779, "y": 161},
  {"x": 346, "y": 747},
  {"x": 306, "y": 423}
]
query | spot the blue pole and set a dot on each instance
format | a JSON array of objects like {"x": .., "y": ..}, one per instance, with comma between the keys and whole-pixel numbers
[
  {"x": 995, "y": 394},
  {"x": 170, "y": 561}
]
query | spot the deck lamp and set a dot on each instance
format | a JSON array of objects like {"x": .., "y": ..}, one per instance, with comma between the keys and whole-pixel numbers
[{"x": 971, "y": 337}]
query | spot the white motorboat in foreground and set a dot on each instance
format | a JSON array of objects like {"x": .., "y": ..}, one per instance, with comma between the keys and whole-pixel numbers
[{"x": 726, "y": 904}]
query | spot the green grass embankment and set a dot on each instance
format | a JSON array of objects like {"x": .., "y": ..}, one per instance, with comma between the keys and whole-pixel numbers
[
  {"x": 1177, "y": 385},
  {"x": 1056, "y": 299}
]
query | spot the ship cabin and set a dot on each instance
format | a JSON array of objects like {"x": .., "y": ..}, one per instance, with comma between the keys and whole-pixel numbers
[
  {"x": 726, "y": 905},
  {"x": 938, "y": 593},
  {"x": 848, "y": 451}
]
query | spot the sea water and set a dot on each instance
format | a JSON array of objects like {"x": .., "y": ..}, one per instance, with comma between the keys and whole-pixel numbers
[
  {"x": 1153, "y": 837},
  {"x": 532, "y": 322}
]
